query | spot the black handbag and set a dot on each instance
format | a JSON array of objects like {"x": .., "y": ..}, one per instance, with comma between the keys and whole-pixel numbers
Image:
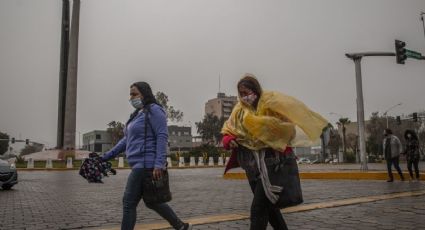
[
  {"x": 156, "y": 191},
  {"x": 286, "y": 175}
]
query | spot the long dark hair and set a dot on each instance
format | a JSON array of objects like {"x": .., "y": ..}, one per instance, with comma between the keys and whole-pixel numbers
[
  {"x": 148, "y": 98},
  {"x": 250, "y": 81}
]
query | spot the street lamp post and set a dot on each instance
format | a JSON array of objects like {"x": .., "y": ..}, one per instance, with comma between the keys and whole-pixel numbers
[
  {"x": 357, "y": 57},
  {"x": 386, "y": 112}
]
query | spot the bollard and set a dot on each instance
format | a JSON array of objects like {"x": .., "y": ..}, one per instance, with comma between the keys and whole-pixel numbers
[
  {"x": 30, "y": 163},
  {"x": 200, "y": 161},
  {"x": 227, "y": 160},
  {"x": 169, "y": 162},
  {"x": 181, "y": 162},
  {"x": 120, "y": 162},
  {"x": 49, "y": 164},
  {"x": 192, "y": 161},
  {"x": 220, "y": 161},
  {"x": 211, "y": 161},
  {"x": 69, "y": 163}
]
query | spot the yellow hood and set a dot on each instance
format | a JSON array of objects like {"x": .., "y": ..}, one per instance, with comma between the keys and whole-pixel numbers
[{"x": 279, "y": 121}]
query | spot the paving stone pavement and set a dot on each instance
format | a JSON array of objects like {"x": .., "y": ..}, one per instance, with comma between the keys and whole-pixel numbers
[
  {"x": 402, "y": 213},
  {"x": 64, "y": 200}
]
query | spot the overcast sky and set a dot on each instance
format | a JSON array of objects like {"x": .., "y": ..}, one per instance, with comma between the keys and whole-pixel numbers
[{"x": 182, "y": 47}]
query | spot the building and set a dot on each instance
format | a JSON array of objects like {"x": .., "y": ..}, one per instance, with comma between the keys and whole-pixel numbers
[
  {"x": 179, "y": 138},
  {"x": 221, "y": 106},
  {"x": 97, "y": 141}
]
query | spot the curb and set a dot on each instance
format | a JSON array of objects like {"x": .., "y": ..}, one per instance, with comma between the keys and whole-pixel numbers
[{"x": 350, "y": 175}]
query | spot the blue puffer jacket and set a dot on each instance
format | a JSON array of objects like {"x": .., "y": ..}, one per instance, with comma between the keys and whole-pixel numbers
[{"x": 151, "y": 154}]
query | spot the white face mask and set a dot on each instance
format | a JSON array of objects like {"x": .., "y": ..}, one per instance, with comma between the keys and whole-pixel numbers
[
  {"x": 137, "y": 103},
  {"x": 249, "y": 99}
]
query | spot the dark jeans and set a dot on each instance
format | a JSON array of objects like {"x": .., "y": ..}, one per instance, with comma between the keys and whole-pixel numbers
[
  {"x": 394, "y": 161},
  {"x": 263, "y": 211},
  {"x": 132, "y": 195},
  {"x": 415, "y": 164}
]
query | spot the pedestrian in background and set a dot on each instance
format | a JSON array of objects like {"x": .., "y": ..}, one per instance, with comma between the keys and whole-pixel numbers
[
  {"x": 145, "y": 144},
  {"x": 412, "y": 152},
  {"x": 392, "y": 148},
  {"x": 261, "y": 131}
]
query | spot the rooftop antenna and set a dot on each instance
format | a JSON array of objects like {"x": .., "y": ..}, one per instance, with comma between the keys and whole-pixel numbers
[
  {"x": 219, "y": 83},
  {"x": 422, "y": 19}
]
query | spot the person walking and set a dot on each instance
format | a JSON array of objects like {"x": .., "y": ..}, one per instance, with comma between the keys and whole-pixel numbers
[
  {"x": 145, "y": 144},
  {"x": 392, "y": 148},
  {"x": 261, "y": 129},
  {"x": 412, "y": 153}
]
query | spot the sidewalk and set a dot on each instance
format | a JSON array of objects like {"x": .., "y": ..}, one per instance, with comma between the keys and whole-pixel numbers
[
  {"x": 376, "y": 171},
  {"x": 63, "y": 200}
]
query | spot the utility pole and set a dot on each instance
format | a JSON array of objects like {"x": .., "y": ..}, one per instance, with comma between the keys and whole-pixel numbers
[{"x": 357, "y": 58}]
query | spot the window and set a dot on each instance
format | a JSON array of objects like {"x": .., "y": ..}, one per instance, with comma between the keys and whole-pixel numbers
[
  {"x": 98, "y": 147},
  {"x": 98, "y": 137}
]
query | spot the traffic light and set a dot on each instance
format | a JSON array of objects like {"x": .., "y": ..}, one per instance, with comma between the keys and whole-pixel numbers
[
  {"x": 415, "y": 117},
  {"x": 13, "y": 140},
  {"x": 398, "y": 120},
  {"x": 27, "y": 141},
  {"x": 400, "y": 51}
]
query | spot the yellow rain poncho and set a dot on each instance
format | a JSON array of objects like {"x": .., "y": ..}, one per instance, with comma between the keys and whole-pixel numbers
[{"x": 278, "y": 121}]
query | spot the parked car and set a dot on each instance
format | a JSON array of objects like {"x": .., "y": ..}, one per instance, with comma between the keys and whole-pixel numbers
[
  {"x": 8, "y": 175},
  {"x": 303, "y": 161}
]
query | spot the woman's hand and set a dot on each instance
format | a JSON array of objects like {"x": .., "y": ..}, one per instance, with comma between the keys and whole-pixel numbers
[
  {"x": 157, "y": 173},
  {"x": 233, "y": 144}
]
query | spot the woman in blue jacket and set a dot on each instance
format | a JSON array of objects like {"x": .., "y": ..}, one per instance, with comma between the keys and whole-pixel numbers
[{"x": 144, "y": 153}]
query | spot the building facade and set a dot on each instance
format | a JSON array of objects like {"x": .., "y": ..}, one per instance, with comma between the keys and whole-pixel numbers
[
  {"x": 221, "y": 106},
  {"x": 97, "y": 141},
  {"x": 179, "y": 138}
]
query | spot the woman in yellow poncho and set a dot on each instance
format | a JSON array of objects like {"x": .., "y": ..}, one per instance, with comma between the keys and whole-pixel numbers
[{"x": 263, "y": 126}]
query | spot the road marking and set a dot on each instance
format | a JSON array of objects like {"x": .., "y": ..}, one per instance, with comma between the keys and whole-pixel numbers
[
  {"x": 346, "y": 175},
  {"x": 300, "y": 208}
]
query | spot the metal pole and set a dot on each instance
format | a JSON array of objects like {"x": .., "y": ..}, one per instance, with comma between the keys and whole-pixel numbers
[
  {"x": 387, "y": 120},
  {"x": 360, "y": 109}
]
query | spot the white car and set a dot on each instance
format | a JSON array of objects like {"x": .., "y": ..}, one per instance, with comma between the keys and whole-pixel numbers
[{"x": 304, "y": 161}]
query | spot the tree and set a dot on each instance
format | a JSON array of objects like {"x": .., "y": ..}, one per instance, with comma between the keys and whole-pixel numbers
[
  {"x": 116, "y": 130},
  {"x": 343, "y": 121},
  {"x": 375, "y": 128},
  {"x": 210, "y": 128},
  {"x": 4, "y": 145},
  {"x": 31, "y": 149},
  {"x": 334, "y": 142},
  {"x": 172, "y": 113}
]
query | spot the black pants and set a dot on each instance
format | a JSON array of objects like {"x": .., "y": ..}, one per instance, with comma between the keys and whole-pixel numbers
[
  {"x": 263, "y": 211},
  {"x": 415, "y": 164},
  {"x": 394, "y": 161}
]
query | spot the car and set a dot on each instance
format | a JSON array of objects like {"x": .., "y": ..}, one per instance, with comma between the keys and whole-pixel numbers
[
  {"x": 8, "y": 175},
  {"x": 304, "y": 161}
]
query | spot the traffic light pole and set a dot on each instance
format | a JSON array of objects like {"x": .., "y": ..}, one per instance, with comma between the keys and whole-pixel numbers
[{"x": 357, "y": 58}]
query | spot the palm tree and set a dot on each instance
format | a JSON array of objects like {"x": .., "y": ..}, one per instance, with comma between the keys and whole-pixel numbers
[{"x": 343, "y": 121}]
